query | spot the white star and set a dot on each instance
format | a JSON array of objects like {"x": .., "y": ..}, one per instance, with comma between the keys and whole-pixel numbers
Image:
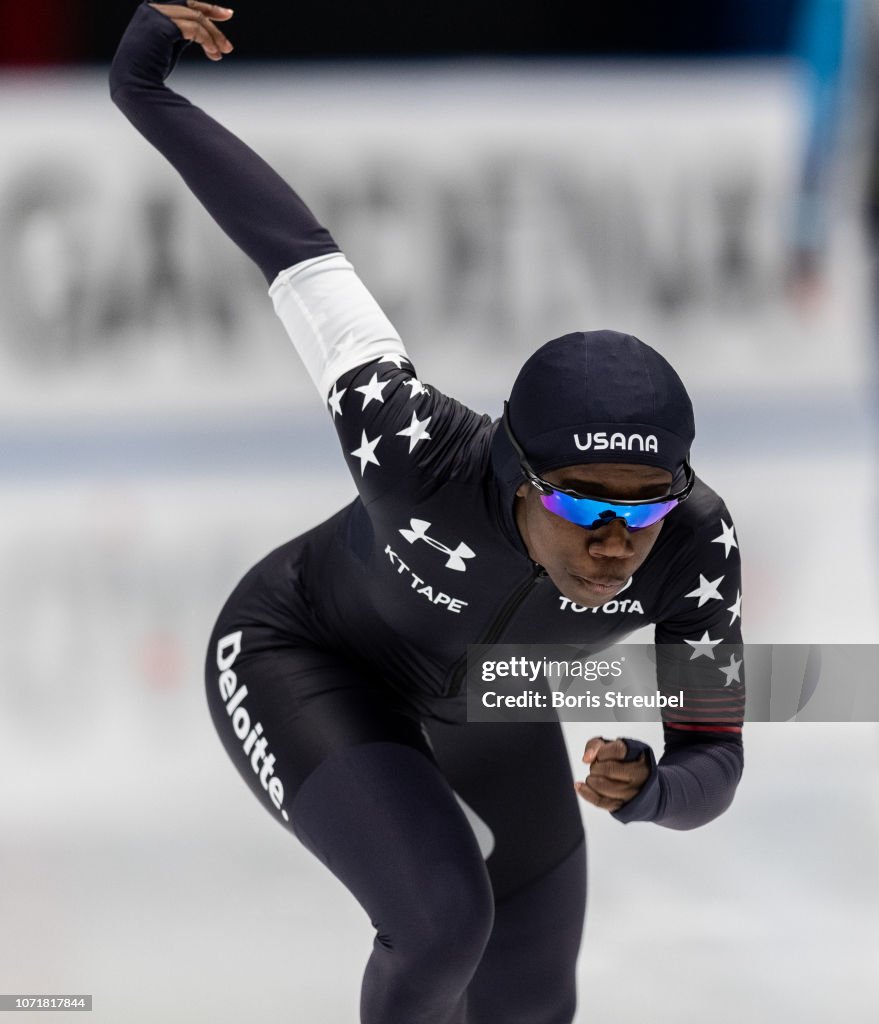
[
  {"x": 706, "y": 590},
  {"x": 366, "y": 452},
  {"x": 736, "y": 608},
  {"x": 703, "y": 648},
  {"x": 727, "y": 538},
  {"x": 417, "y": 387},
  {"x": 732, "y": 670},
  {"x": 394, "y": 357},
  {"x": 373, "y": 390},
  {"x": 335, "y": 399},
  {"x": 416, "y": 431}
]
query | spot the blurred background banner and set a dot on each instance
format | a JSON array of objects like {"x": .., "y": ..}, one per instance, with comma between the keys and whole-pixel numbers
[
  {"x": 498, "y": 177},
  {"x": 488, "y": 209}
]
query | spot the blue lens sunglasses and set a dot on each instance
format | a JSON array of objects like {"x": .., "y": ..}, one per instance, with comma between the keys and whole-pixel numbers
[{"x": 592, "y": 513}]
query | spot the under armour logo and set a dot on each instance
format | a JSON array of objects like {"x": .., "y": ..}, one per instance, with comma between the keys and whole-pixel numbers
[{"x": 456, "y": 561}]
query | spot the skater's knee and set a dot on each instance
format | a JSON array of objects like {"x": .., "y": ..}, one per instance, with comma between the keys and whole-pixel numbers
[{"x": 449, "y": 924}]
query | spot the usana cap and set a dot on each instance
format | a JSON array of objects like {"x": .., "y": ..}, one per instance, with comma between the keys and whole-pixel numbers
[{"x": 596, "y": 396}]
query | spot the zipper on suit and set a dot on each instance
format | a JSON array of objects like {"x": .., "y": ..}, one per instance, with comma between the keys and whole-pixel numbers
[{"x": 499, "y": 624}]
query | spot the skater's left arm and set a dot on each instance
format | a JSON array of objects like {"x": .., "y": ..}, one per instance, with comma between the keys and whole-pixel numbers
[{"x": 699, "y": 652}]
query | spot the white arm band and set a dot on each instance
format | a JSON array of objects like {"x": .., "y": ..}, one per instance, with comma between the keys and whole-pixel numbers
[{"x": 334, "y": 322}]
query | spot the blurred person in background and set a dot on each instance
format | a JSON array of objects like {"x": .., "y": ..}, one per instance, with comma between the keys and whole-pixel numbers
[
  {"x": 335, "y": 674},
  {"x": 836, "y": 45}
]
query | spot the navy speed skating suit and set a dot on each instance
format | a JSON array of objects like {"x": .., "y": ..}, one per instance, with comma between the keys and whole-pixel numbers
[{"x": 334, "y": 674}]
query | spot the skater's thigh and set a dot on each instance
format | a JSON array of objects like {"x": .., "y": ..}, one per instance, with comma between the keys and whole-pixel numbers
[
  {"x": 282, "y": 705},
  {"x": 517, "y": 778}
]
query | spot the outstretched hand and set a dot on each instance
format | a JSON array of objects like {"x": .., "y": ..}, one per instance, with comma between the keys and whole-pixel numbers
[
  {"x": 196, "y": 23},
  {"x": 612, "y": 781}
]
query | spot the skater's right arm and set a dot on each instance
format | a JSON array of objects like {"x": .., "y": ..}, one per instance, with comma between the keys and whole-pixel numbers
[
  {"x": 331, "y": 318},
  {"x": 250, "y": 202},
  {"x": 391, "y": 427}
]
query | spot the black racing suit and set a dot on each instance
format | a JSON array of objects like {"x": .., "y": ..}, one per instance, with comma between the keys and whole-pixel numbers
[{"x": 334, "y": 674}]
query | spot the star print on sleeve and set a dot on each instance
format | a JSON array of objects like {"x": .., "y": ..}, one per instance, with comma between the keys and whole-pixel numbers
[
  {"x": 335, "y": 400},
  {"x": 707, "y": 590},
  {"x": 699, "y": 648},
  {"x": 372, "y": 392},
  {"x": 703, "y": 647},
  {"x": 727, "y": 538},
  {"x": 731, "y": 671},
  {"x": 417, "y": 387},
  {"x": 366, "y": 452},
  {"x": 736, "y": 608},
  {"x": 385, "y": 417},
  {"x": 416, "y": 431},
  {"x": 395, "y": 358}
]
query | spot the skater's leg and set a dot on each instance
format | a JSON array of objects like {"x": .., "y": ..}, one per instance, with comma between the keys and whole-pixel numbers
[
  {"x": 527, "y": 973},
  {"x": 386, "y": 823},
  {"x": 336, "y": 759},
  {"x": 517, "y": 779}
]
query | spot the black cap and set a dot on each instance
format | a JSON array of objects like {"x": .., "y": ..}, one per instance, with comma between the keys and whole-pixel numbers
[{"x": 596, "y": 396}]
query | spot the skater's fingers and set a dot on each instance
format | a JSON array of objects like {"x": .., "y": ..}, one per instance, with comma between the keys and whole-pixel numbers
[
  {"x": 196, "y": 25},
  {"x": 612, "y": 750},
  {"x": 214, "y": 11},
  {"x": 592, "y": 747},
  {"x": 592, "y": 796},
  {"x": 628, "y": 772}
]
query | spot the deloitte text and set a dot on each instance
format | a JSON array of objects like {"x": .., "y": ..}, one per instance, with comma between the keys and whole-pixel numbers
[{"x": 253, "y": 742}]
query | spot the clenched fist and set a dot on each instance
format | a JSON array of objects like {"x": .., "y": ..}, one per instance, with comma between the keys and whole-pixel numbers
[
  {"x": 196, "y": 23},
  {"x": 612, "y": 780}
]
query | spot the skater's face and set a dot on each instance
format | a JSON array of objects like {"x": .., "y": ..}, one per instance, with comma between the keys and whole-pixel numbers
[{"x": 590, "y": 566}]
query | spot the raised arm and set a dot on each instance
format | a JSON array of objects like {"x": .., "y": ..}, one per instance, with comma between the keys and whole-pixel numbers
[
  {"x": 331, "y": 318},
  {"x": 254, "y": 206}
]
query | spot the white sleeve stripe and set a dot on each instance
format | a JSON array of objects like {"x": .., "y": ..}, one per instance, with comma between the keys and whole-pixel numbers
[{"x": 331, "y": 318}]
